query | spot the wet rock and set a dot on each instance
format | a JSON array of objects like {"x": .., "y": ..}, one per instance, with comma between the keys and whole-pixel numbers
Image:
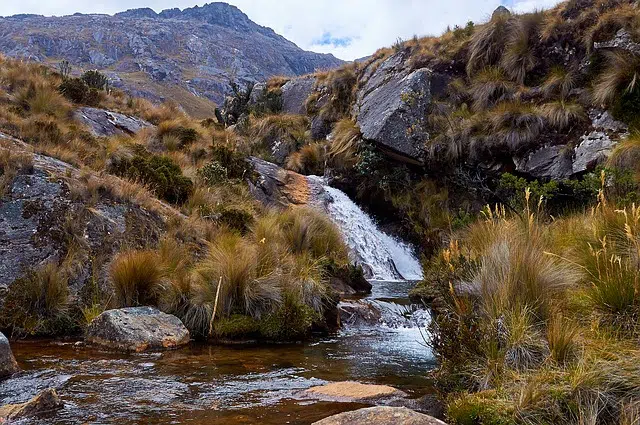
[
  {"x": 349, "y": 391},
  {"x": 8, "y": 364},
  {"x": 392, "y": 107},
  {"x": 359, "y": 313},
  {"x": 44, "y": 403},
  {"x": 295, "y": 93},
  {"x": 103, "y": 123},
  {"x": 137, "y": 329},
  {"x": 380, "y": 415}
]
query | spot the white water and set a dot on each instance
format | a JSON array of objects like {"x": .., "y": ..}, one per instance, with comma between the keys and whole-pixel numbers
[{"x": 381, "y": 256}]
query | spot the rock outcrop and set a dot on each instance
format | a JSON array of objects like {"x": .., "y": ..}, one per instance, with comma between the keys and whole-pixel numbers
[
  {"x": 392, "y": 106},
  {"x": 153, "y": 54},
  {"x": 103, "y": 123},
  {"x": 349, "y": 391},
  {"x": 295, "y": 93},
  {"x": 44, "y": 210},
  {"x": 8, "y": 364},
  {"x": 137, "y": 329},
  {"x": 276, "y": 186},
  {"x": 44, "y": 404},
  {"x": 380, "y": 416}
]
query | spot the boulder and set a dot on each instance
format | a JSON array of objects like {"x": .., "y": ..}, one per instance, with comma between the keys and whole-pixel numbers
[
  {"x": 277, "y": 187},
  {"x": 44, "y": 209},
  {"x": 103, "y": 123},
  {"x": 44, "y": 403},
  {"x": 623, "y": 41},
  {"x": 352, "y": 392},
  {"x": 392, "y": 106},
  {"x": 359, "y": 313},
  {"x": 8, "y": 364},
  {"x": 547, "y": 162},
  {"x": 380, "y": 415},
  {"x": 137, "y": 329},
  {"x": 295, "y": 93}
]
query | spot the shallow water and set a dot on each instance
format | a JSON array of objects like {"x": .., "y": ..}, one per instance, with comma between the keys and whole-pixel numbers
[{"x": 204, "y": 384}]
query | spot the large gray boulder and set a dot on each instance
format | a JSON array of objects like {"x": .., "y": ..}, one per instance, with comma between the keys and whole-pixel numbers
[
  {"x": 295, "y": 94},
  {"x": 392, "y": 106},
  {"x": 277, "y": 187},
  {"x": 8, "y": 364},
  {"x": 547, "y": 162},
  {"x": 103, "y": 123},
  {"x": 137, "y": 329},
  {"x": 380, "y": 415}
]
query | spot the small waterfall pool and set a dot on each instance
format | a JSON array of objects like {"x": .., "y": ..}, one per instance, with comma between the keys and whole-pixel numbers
[{"x": 381, "y": 256}]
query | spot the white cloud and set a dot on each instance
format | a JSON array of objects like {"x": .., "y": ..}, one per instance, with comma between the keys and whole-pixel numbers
[{"x": 369, "y": 24}]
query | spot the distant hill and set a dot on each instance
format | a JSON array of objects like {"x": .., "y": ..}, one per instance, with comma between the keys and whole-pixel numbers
[{"x": 186, "y": 55}]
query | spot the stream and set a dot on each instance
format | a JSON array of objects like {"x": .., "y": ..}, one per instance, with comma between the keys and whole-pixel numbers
[{"x": 249, "y": 384}]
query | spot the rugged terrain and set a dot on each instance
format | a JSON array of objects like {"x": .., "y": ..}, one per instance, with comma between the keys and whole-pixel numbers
[{"x": 187, "y": 56}]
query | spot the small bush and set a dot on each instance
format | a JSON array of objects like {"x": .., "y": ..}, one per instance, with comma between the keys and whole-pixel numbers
[
  {"x": 212, "y": 173},
  {"x": 95, "y": 80},
  {"x": 291, "y": 322},
  {"x": 137, "y": 278},
  {"x": 173, "y": 130},
  {"x": 233, "y": 161},
  {"x": 79, "y": 92}
]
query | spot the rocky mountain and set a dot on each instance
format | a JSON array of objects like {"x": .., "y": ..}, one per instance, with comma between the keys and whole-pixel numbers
[{"x": 187, "y": 55}]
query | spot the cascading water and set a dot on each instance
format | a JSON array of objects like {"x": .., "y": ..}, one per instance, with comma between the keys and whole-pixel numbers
[{"x": 381, "y": 256}]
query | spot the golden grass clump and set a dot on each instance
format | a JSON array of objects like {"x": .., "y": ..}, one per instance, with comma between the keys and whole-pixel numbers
[
  {"x": 309, "y": 160},
  {"x": 561, "y": 115},
  {"x": 487, "y": 43},
  {"x": 619, "y": 77},
  {"x": 137, "y": 278},
  {"x": 345, "y": 142}
]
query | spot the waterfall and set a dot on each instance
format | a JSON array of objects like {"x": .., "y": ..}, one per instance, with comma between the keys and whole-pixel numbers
[{"x": 381, "y": 256}]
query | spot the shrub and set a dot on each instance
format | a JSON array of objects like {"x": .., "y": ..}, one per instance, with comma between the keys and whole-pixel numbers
[
  {"x": 95, "y": 80},
  {"x": 137, "y": 278},
  {"x": 183, "y": 135},
  {"x": 212, "y": 173},
  {"x": 79, "y": 92},
  {"x": 160, "y": 173},
  {"x": 291, "y": 322},
  {"x": 38, "y": 304},
  {"x": 233, "y": 161}
]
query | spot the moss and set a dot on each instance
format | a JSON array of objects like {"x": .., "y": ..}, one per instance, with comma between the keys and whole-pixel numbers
[
  {"x": 291, "y": 322},
  {"x": 237, "y": 326},
  {"x": 475, "y": 410}
]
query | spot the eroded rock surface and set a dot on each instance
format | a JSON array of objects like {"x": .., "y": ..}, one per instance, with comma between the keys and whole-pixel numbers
[
  {"x": 295, "y": 93},
  {"x": 380, "y": 415},
  {"x": 137, "y": 329}
]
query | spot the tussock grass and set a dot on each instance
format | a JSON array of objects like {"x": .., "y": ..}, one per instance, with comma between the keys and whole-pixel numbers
[
  {"x": 345, "y": 142},
  {"x": 489, "y": 87},
  {"x": 309, "y": 160},
  {"x": 561, "y": 115},
  {"x": 619, "y": 77},
  {"x": 487, "y": 43},
  {"x": 137, "y": 278}
]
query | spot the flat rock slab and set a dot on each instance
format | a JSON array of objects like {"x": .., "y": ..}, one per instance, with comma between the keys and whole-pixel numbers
[
  {"x": 44, "y": 403},
  {"x": 8, "y": 364},
  {"x": 380, "y": 416},
  {"x": 137, "y": 329},
  {"x": 103, "y": 123},
  {"x": 349, "y": 391}
]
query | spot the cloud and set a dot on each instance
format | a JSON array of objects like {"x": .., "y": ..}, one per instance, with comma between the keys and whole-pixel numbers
[{"x": 349, "y": 29}]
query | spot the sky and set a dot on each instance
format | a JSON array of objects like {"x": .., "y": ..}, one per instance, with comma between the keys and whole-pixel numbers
[{"x": 349, "y": 29}]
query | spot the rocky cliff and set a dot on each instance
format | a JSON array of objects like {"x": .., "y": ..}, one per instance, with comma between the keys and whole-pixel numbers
[{"x": 175, "y": 54}]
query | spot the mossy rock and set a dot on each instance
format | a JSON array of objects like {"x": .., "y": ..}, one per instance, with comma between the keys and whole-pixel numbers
[
  {"x": 480, "y": 409},
  {"x": 291, "y": 322},
  {"x": 237, "y": 327}
]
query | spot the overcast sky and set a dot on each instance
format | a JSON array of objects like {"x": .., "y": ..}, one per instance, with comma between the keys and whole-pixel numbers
[{"x": 349, "y": 29}]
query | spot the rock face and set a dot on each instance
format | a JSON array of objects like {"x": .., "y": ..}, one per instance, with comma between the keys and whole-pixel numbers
[
  {"x": 353, "y": 392},
  {"x": 44, "y": 403},
  {"x": 103, "y": 123},
  {"x": 357, "y": 313},
  {"x": 8, "y": 364},
  {"x": 392, "y": 105},
  {"x": 563, "y": 161},
  {"x": 137, "y": 329},
  {"x": 276, "y": 186},
  {"x": 295, "y": 93},
  {"x": 380, "y": 416},
  {"x": 44, "y": 210},
  {"x": 193, "y": 49}
]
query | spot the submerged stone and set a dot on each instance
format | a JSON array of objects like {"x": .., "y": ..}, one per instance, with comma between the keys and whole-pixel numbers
[
  {"x": 137, "y": 329},
  {"x": 350, "y": 391},
  {"x": 44, "y": 403},
  {"x": 380, "y": 415}
]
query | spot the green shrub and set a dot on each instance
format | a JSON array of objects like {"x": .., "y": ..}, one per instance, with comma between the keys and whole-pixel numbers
[
  {"x": 77, "y": 91},
  {"x": 237, "y": 326},
  {"x": 160, "y": 173},
  {"x": 95, "y": 80},
  {"x": 291, "y": 322},
  {"x": 233, "y": 161},
  {"x": 213, "y": 173}
]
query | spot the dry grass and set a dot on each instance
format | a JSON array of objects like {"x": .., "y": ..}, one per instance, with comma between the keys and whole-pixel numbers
[
  {"x": 487, "y": 43},
  {"x": 343, "y": 150},
  {"x": 309, "y": 160},
  {"x": 619, "y": 77},
  {"x": 519, "y": 57},
  {"x": 489, "y": 87},
  {"x": 561, "y": 115},
  {"x": 137, "y": 278}
]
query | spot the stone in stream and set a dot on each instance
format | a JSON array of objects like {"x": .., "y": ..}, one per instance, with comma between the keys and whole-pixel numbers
[
  {"x": 137, "y": 329},
  {"x": 8, "y": 364},
  {"x": 380, "y": 415},
  {"x": 351, "y": 392},
  {"x": 44, "y": 403}
]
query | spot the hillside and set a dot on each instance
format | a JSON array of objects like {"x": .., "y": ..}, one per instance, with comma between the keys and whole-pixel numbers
[{"x": 173, "y": 54}]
